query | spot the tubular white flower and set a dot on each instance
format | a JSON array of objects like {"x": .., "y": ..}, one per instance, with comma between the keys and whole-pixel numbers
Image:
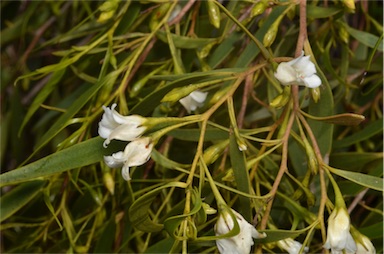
[
  {"x": 291, "y": 246},
  {"x": 300, "y": 71},
  {"x": 136, "y": 153},
  {"x": 338, "y": 236},
  {"x": 365, "y": 246},
  {"x": 115, "y": 126},
  {"x": 238, "y": 244},
  {"x": 193, "y": 100}
]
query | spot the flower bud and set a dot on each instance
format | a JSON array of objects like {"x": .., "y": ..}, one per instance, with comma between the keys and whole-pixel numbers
[
  {"x": 315, "y": 92},
  {"x": 158, "y": 14},
  {"x": 213, "y": 13},
  {"x": 338, "y": 236},
  {"x": 109, "y": 182},
  {"x": 282, "y": 99},
  {"x": 108, "y": 9},
  {"x": 350, "y": 4},
  {"x": 343, "y": 34},
  {"x": 178, "y": 93},
  {"x": 311, "y": 157},
  {"x": 259, "y": 8},
  {"x": 270, "y": 36},
  {"x": 242, "y": 241},
  {"x": 212, "y": 153},
  {"x": 219, "y": 94}
]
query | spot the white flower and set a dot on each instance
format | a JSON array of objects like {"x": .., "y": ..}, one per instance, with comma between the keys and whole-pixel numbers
[
  {"x": 300, "y": 71},
  {"x": 240, "y": 243},
  {"x": 193, "y": 100},
  {"x": 365, "y": 246},
  {"x": 338, "y": 236},
  {"x": 291, "y": 246},
  {"x": 115, "y": 126},
  {"x": 136, "y": 153}
]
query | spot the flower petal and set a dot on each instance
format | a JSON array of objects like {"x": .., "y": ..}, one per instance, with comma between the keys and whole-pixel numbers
[
  {"x": 305, "y": 66},
  {"x": 285, "y": 73},
  {"x": 113, "y": 162},
  {"x": 125, "y": 173},
  {"x": 198, "y": 96},
  {"x": 312, "y": 81},
  {"x": 138, "y": 151}
]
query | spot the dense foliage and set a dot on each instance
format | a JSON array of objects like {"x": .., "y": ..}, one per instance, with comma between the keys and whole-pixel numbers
[{"x": 284, "y": 156}]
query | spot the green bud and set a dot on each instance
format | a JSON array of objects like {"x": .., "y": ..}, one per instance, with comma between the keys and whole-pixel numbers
[
  {"x": 109, "y": 182},
  {"x": 108, "y": 9},
  {"x": 282, "y": 99},
  {"x": 343, "y": 33},
  {"x": 259, "y": 8},
  {"x": 212, "y": 153},
  {"x": 270, "y": 36},
  {"x": 311, "y": 157},
  {"x": 350, "y": 4},
  {"x": 315, "y": 92},
  {"x": 178, "y": 93},
  {"x": 229, "y": 176},
  {"x": 213, "y": 13},
  {"x": 204, "y": 52},
  {"x": 158, "y": 14},
  {"x": 219, "y": 94}
]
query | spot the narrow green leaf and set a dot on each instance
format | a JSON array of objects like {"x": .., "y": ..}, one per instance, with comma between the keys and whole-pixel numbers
[
  {"x": 14, "y": 200},
  {"x": 276, "y": 235},
  {"x": 241, "y": 176},
  {"x": 348, "y": 119},
  {"x": 107, "y": 238},
  {"x": 61, "y": 123},
  {"x": 79, "y": 155},
  {"x": 365, "y": 38},
  {"x": 317, "y": 12},
  {"x": 225, "y": 72},
  {"x": 42, "y": 96},
  {"x": 353, "y": 160},
  {"x": 138, "y": 212},
  {"x": 184, "y": 42},
  {"x": 163, "y": 246},
  {"x": 368, "y": 131},
  {"x": 368, "y": 181}
]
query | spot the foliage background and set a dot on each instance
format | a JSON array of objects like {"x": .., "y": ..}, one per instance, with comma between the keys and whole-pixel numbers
[{"x": 62, "y": 60}]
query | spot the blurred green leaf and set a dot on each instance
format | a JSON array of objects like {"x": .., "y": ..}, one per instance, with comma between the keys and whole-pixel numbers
[
  {"x": 368, "y": 131},
  {"x": 353, "y": 160},
  {"x": 17, "y": 198},
  {"x": 276, "y": 235},
  {"x": 184, "y": 42},
  {"x": 54, "y": 79},
  {"x": 365, "y": 38},
  {"x": 138, "y": 212},
  {"x": 317, "y": 12}
]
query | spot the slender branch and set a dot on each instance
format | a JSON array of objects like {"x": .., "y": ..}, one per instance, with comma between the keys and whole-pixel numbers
[
  {"x": 283, "y": 168},
  {"x": 303, "y": 28}
]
